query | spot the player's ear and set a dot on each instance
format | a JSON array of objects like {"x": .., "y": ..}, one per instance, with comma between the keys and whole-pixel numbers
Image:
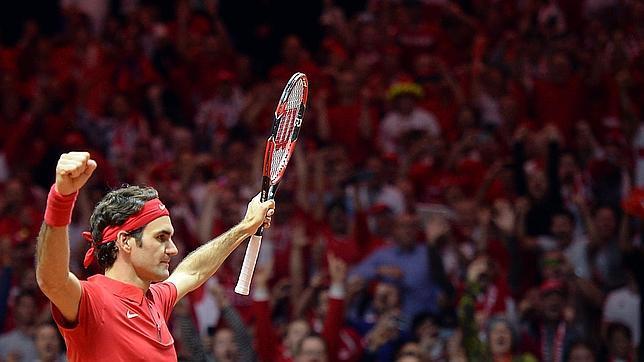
[{"x": 123, "y": 241}]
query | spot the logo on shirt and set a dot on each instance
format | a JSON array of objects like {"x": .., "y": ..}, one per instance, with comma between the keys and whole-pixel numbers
[
  {"x": 131, "y": 315},
  {"x": 161, "y": 206}
]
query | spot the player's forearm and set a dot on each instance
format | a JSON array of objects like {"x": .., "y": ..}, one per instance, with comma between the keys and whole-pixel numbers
[
  {"x": 52, "y": 256},
  {"x": 202, "y": 263}
]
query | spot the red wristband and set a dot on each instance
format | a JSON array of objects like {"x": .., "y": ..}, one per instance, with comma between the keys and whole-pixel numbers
[{"x": 59, "y": 208}]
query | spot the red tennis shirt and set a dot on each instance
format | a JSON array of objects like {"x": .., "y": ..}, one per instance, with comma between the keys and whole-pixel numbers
[{"x": 119, "y": 322}]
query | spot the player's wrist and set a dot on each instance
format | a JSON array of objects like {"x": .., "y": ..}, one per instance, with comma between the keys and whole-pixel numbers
[
  {"x": 247, "y": 227},
  {"x": 63, "y": 191},
  {"x": 59, "y": 207}
]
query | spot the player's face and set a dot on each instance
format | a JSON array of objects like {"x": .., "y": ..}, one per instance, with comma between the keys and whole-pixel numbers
[{"x": 152, "y": 260}]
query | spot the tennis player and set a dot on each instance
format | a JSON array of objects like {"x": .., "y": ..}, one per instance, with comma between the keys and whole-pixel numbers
[{"x": 122, "y": 315}]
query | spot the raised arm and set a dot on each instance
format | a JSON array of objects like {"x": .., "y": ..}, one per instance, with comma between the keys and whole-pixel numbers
[
  {"x": 52, "y": 250},
  {"x": 266, "y": 339},
  {"x": 202, "y": 263},
  {"x": 334, "y": 319}
]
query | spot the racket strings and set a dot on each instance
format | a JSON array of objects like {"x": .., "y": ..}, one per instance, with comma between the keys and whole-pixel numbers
[
  {"x": 287, "y": 124},
  {"x": 285, "y": 130},
  {"x": 276, "y": 162}
]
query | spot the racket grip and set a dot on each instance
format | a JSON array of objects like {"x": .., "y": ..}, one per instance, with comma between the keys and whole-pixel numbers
[{"x": 248, "y": 267}]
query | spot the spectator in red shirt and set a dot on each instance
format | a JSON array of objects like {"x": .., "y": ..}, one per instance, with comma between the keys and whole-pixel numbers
[{"x": 348, "y": 118}]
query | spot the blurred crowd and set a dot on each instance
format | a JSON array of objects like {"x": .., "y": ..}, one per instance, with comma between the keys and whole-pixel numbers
[{"x": 458, "y": 191}]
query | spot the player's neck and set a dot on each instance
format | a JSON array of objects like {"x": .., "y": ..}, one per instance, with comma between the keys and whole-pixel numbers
[{"x": 126, "y": 274}]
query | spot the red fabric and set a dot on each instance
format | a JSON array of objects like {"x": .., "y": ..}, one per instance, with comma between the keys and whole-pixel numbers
[
  {"x": 59, "y": 208},
  {"x": 445, "y": 110},
  {"x": 344, "y": 344},
  {"x": 8, "y": 59},
  {"x": 633, "y": 204},
  {"x": 344, "y": 247},
  {"x": 490, "y": 303},
  {"x": 559, "y": 104},
  {"x": 280, "y": 237},
  {"x": 367, "y": 241},
  {"x": 430, "y": 181},
  {"x": 267, "y": 345},
  {"x": 344, "y": 124},
  {"x": 552, "y": 285},
  {"x": 121, "y": 315},
  {"x": 498, "y": 252},
  {"x": 471, "y": 172},
  {"x": 152, "y": 209},
  {"x": 332, "y": 326}
]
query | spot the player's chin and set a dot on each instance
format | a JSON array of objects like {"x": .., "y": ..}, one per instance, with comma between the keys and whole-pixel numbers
[
  {"x": 161, "y": 274},
  {"x": 159, "y": 277}
]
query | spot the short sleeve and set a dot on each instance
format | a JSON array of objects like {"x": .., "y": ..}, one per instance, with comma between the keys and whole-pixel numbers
[
  {"x": 90, "y": 309},
  {"x": 165, "y": 296}
]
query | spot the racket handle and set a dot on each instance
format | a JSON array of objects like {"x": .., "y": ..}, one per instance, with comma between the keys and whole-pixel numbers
[{"x": 248, "y": 267}]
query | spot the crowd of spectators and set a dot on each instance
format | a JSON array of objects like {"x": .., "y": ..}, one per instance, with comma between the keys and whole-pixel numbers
[{"x": 457, "y": 193}]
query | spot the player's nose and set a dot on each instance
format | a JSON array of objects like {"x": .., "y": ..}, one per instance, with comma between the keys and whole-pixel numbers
[{"x": 171, "y": 248}]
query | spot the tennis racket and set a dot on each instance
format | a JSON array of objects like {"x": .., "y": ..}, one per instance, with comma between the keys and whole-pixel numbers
[{"x": 279, "y": 148}]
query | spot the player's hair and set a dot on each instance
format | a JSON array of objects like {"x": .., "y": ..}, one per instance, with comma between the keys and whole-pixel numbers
[{"x": 114, "y": 209}]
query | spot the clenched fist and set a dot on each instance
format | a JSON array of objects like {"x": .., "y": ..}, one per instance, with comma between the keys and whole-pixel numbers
[{"x": 72, "y": 171}]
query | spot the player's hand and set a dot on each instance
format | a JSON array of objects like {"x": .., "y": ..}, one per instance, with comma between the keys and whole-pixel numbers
[
  {"x": 72, "y": 171},
  {"x": 258, "y": 214}
]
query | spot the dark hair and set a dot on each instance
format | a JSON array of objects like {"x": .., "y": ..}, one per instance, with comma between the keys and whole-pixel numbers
[
  {"x": 25, "y": 293},
  {"x": 114, "y": 209},
  {"x": 423, "y": 317}
]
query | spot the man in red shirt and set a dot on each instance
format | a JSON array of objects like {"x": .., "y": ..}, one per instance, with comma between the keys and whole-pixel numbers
[{"x": 121, "y": 315}]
